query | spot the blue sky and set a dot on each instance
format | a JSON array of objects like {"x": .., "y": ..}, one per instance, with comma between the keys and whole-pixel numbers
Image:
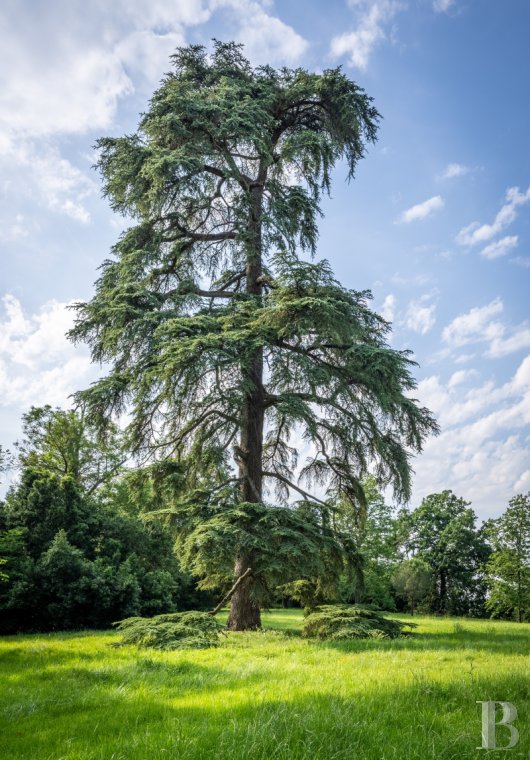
[{"x": 436, "y": 223}]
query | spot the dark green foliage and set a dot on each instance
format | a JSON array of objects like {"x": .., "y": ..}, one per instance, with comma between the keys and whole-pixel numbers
[
  {"x": 413, "y": 580},
  {"x": 78, "y": 551},
  {"x": 65, "y": 443},
  {"x": 180, "y": 630},
  {"x": 442, "y": 532},
  {"x": 288, "y": 544},
  {"x": 508, "y": 568},
  {"x": 220, "y": 339},
  {"x": 367, "y": 531},
  {"x": 307, "y": 593},
  {"x": 75, "y": 562},
  {"x": 343, "y": 622}
]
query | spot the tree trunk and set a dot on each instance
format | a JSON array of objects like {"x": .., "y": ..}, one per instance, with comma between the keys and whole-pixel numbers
[
  {"x": 244, "y": 612},
  {"x": 443, "y": 592}
]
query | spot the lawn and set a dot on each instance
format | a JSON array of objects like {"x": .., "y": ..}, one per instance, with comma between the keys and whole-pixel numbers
[{"x": 264, "y": 696}]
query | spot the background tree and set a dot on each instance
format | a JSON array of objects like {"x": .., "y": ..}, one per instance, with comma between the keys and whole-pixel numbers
[
  {"x": 413, "y": 580},
  {"x": 79, "y": 557},
  {"x": 6, "y": 461},
  {"x": 442, "y": 532},
  {"x": 5, "y": 465},
  {"x": 219, "y": 336},
  {"x": 66, "y": 443},
  {"x": 508, "y": 568},
  {"x": 368, "y": 531}
]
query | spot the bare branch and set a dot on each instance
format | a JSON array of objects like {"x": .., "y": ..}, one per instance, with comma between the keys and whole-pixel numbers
[{"x": 288, "y": 483}]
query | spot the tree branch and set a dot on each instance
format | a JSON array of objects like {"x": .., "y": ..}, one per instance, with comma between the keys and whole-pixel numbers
[
  {"x": 288, "y": 483},
  {"x": 227, "y": 596}
]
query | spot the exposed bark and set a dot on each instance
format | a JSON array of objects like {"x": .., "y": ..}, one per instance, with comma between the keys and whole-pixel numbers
[
  {"x": 244, "y": 612},
  {"x": 227, "y": 596}
]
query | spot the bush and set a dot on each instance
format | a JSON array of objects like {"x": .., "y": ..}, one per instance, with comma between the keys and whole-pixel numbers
[
  {"x": 178, "y": 630},
  {"x": 340, "y": 622}
]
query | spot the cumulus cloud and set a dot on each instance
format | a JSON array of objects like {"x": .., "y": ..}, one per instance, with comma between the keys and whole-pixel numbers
[
  {"x": 101, "y": 53},
  {"x": 54, "y": 85},
  {"x": 482, "y": 452},
  {"x": 422, "y": 210},
  {"x": 420, "y": 316},
  {"x": 54, "y": 182},
  {"x": 460, "y": 376},
  {"x": 476, "y": 233},
  {"x": 267, "y": 38},
  {"x": 374, "y": 19},
  {"x": 500, "y": 247},
  {"x": 480, "y": 325},
  {"x": 38, "y": 365},
  {"x": 475, "y": 325}
]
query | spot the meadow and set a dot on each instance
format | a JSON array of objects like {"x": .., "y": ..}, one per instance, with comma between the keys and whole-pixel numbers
[{"x": 269, "y": 695}]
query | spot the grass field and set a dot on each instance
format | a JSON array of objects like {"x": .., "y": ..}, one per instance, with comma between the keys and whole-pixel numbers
[{"x": 264, "y": 696}]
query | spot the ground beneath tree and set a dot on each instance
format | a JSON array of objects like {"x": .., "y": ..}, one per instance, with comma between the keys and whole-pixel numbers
[{"x": 265, "y": 696}]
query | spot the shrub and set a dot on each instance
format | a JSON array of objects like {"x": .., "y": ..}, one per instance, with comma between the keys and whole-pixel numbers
[
  {"x": 178, "y": 630},
  {"x": 340, "y": 622}
]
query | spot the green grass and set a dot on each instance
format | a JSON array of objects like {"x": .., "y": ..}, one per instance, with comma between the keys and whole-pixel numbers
[{"x": 264, "y": 696}]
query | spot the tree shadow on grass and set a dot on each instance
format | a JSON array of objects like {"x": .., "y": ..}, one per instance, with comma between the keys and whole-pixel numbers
[
  {"x": 511, "y": 639},
  {"x": 501, "y": 643},
  {"x": 252, "y": 719}
]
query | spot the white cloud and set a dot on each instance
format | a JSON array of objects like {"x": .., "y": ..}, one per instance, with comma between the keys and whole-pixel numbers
[
  {"x": 422, "y": 210},
  {"x": 479, "y": 325},
  {"x": 476, "y": 233},
  {"x": 455, "y": 170},
  {"x": 267, "y": 39},
  {"x": 442, "y": 6},
  {"x": 502, "y": 346},
  {"x": 500, "y": 247},
  {"x": 375, "y": 16},
  {"x": 482, "y": 452},
  {"x": 38, "y": 365},
  {"x": 54, "y": 84},
  {"x": 420, "y": 316},
  {"x": 100, "y": 53},
  {"x": 388, "y": 310},
  {"x": 461, "y": 376},
  {"x": 475, "y": 325},
  {"x": 40, "y": 172}
]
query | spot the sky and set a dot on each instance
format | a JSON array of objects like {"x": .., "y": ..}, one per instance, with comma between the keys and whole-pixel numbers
[{"x": 436, "y": 222}]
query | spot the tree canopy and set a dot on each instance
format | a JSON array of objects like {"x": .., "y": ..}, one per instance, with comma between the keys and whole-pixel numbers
[
  {"x": 508, "y": 568},
  {"x": 222, "y": 341},
  {"x": 442, "y": 532}
]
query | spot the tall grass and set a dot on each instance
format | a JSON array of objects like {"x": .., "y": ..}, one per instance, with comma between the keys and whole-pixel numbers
[{"x": 264, "y": 696}]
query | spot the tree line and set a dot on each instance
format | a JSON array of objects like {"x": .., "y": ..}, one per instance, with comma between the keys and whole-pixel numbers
[{"x": 86, "y": 539}]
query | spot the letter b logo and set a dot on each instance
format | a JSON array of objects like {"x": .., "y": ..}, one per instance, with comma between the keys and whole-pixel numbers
[{"x": 509, "y": 714}]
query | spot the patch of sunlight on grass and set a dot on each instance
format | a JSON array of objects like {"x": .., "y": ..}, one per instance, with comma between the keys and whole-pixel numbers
[{"x": 267, "y": 695}]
